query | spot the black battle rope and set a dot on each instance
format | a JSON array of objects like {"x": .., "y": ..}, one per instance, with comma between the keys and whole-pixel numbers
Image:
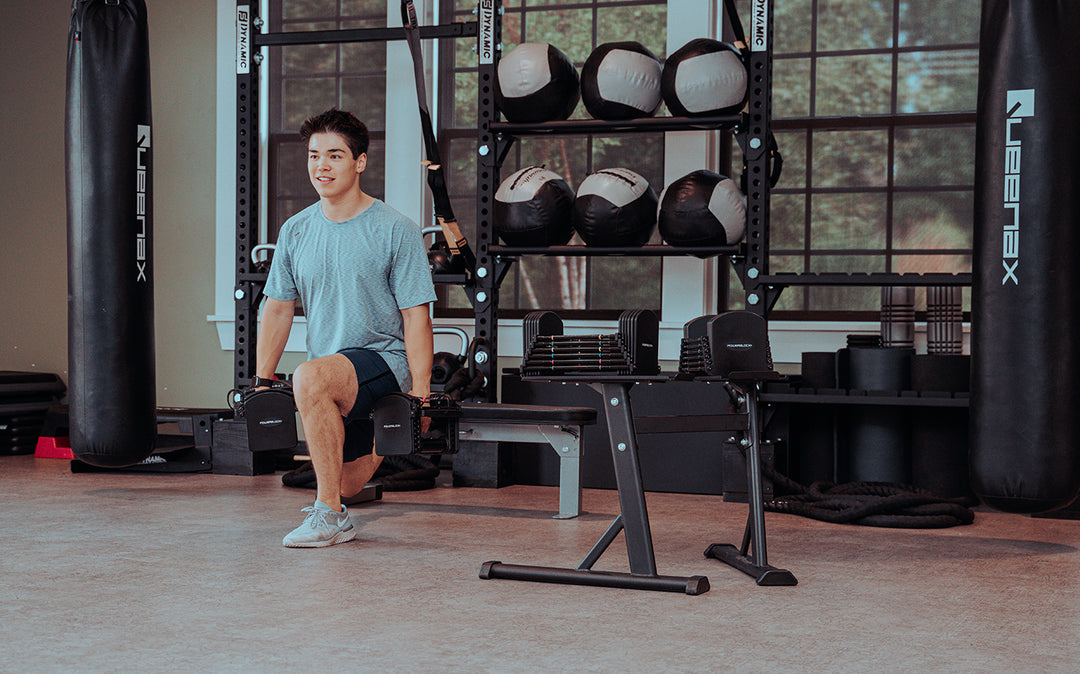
[
  {"x": 872, "y": 504},
  {"x": 444, "y": 212},
  {"x": 406, "y": 472}
]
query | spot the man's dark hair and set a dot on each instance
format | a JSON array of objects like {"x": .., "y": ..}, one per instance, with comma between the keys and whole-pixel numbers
[{"x": 345, "y": 124}]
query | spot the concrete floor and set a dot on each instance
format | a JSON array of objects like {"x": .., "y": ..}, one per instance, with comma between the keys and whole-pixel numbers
[{"x": 127, "y": 572}]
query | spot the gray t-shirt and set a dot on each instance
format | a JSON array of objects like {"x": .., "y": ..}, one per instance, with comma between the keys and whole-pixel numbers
[{"x": 353, "y": 278}]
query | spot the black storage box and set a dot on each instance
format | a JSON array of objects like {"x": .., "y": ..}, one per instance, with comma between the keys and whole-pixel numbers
[{"x": 25, "y": 397}]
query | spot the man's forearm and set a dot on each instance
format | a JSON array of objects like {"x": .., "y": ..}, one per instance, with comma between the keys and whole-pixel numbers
[
  {"x": 419, "y": 348},
  {"x": 274, "y": 329}
]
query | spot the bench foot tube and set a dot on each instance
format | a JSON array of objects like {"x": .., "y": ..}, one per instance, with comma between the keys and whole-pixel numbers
[
  {"x": 762, "y": 573},
  {"x": 692, "y": 585}
]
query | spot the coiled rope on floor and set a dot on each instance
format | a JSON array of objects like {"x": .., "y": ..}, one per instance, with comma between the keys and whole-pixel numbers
[
  {"x": 874, "y": 504},
  {"x": 405, "y": 472}
]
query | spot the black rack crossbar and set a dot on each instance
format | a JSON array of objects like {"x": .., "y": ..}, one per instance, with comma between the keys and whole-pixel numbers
[
  {"x": 582, "y": 126},
  {"x": 878, "y": 398},
  {"x": 643, "y": 251},
  {"x": 869, "y": 279},
  {"x": 924, "y": 119},
  {"x": 461, "y": 29},
  {"x": 690, "y": 423}
]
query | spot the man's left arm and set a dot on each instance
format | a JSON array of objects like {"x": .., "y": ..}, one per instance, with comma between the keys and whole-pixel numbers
[{"x": 419, "y": 348}]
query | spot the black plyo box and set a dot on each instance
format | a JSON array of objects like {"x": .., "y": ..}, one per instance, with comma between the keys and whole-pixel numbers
[
  {"x": 232, "y": 454},
  {"x": 24, "y": 399}
]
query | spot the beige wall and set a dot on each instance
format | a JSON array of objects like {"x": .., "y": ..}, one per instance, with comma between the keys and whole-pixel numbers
[{"x": 192, "y": 369}]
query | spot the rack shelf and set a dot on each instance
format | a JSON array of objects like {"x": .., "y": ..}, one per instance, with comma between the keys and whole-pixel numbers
[
  {"x": 642, "y": 251},
  {"x": 877, "y": 398},
  {"x": 868, "y": 279},
  {"x": 585, "y": 126}
]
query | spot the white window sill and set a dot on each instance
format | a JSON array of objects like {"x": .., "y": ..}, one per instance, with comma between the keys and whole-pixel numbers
[{"x": 788, "y": 339}]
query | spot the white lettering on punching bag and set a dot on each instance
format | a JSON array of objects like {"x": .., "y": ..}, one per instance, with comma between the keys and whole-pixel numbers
[
  {"x": 1019, "y": 103},
  {"x": 142, "y": 166}
]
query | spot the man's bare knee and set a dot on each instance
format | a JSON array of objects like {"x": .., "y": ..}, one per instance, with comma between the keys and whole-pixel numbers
[
  {"x": 322, "y": 380},
  {"x": 307, "y": 388}
]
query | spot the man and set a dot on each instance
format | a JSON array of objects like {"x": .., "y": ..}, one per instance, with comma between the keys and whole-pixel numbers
[{"x": 360, "y": 270}]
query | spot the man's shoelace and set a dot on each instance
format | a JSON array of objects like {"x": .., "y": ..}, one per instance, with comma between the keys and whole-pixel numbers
[{"x": 316, "y": 517}]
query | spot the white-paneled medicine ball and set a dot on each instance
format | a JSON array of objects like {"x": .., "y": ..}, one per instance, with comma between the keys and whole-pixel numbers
[
  {"x": 704, "y": 77},
  {"x": 536, "y": 83},
  {"x": 615, "y": 208},
  {"x": 702, "y": 209},
  {"x": 533, "y": 208},
  {"x": 621, "y": 80}
]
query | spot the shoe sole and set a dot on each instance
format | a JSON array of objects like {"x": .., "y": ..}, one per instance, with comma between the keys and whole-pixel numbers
[{"x": 340, "y": 537}]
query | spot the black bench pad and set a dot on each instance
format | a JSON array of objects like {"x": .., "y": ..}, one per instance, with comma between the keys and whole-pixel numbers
[{"x": 526, "y": 414}]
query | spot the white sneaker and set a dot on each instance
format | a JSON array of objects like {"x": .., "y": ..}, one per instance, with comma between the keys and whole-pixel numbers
[{"x": 321, "y": 528}]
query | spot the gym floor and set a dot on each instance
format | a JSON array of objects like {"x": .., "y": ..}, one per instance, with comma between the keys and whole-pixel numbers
[{"x": 136, "y": 572}]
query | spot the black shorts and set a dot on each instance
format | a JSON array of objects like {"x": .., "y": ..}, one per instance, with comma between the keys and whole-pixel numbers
[{"x": 374, "y": 380}]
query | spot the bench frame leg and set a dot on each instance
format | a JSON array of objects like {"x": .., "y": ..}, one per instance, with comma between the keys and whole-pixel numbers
[
  {"x": 565, "y": 440},
  {"x": 632, "y": 521},
  {"x": 753, "y": 561}
]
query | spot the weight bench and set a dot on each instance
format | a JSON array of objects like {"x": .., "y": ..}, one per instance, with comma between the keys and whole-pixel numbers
[{"x": 560, "y": 427}]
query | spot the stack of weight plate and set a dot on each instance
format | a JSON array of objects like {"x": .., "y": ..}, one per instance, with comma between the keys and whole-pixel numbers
[
  {"x": 549, "y": 352},
  {"x": 695, "y": 356},
  {"x": 24, "y": 399}
]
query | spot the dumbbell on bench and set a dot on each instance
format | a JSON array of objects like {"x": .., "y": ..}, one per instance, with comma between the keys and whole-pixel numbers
[{"x": 397, "y": 418}]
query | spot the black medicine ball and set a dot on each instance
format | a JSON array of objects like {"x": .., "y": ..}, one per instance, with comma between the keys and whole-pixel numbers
[
  {"x": 702, "y": 209},
  {"x": 615, "y": 208},
  {"x": 621, "y": 80},
  {"x": 704, "y": 77},
  {"x": 536, "y": 83},
  {"x": 532, "y": 208}
]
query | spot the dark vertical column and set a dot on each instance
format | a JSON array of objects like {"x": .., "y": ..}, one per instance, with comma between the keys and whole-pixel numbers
[
  {"x": 759, "y": 297},
  {"x": 1025, "y": 429},
  {"x": 111, "y": 365},
  {"x": 248, "y": 283},
  {"x": 485, "y": 294}
]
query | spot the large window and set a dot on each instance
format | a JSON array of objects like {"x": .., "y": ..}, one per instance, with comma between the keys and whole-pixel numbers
[
  {"x": 596, "y": 285},
  {"x": 873, "y": 105},
  {"x": 307, "y": 79}
]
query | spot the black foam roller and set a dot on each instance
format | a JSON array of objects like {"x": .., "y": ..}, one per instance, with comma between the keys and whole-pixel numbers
[
  {"x": 939, "y": 435},
  {"x": 1025, "y": 429},
  {"x": 110, "y": 228},
  {"x": 813, "y": 433},
  {"x": 879, "y": 438}
]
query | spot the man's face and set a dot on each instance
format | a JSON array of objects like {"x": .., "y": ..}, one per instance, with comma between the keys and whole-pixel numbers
[{"x": 331, "y": 167}]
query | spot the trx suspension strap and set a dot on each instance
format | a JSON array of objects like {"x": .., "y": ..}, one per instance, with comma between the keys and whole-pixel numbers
[{"x": 444, "y": 213}]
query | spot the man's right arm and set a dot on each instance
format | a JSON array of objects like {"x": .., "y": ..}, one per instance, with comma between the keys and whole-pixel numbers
[{"x": 277, "y": 320}]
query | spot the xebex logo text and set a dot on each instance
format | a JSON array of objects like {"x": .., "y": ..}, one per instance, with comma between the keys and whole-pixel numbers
[
  {"x": 1019, "y": 104},
  {"x": 142, "y": 166}
]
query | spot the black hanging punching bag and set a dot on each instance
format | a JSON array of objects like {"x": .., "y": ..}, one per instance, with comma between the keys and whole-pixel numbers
[
  {"x": 110, "y": 281},
  {"x": 1025, "y": 395}
]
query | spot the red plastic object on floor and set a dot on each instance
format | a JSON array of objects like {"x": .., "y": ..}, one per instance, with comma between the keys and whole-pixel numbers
[{"x": 53, "y": 448}]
